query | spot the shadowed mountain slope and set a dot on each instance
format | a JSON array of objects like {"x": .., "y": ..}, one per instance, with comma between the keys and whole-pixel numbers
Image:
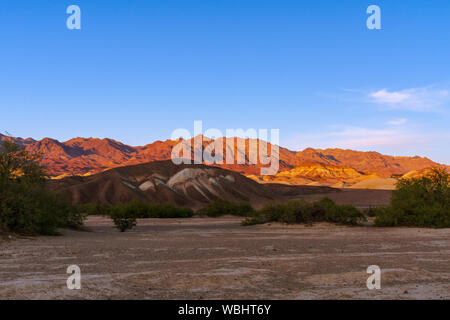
[{"x": 184, "y": 185}]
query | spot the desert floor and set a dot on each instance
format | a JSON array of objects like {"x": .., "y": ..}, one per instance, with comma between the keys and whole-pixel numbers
[{"x": 205, "y": 258}]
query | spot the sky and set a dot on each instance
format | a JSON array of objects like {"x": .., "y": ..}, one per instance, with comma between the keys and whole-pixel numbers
[{"x": 138, "y": 70}]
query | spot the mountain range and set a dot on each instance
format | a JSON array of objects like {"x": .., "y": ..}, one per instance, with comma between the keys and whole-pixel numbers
[
  {"x": 330, "y": 167},
  {"x": 188, "y": 185}
]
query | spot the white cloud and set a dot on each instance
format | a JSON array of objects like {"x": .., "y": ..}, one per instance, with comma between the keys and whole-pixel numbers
[
  {"x": 397, "y": 122},
  {"x": 415, "y": 99},
  {"x": 384, "y": 96}
]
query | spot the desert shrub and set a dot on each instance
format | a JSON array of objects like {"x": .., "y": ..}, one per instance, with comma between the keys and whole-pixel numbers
[
  {"x": 168, "y": 210},
  {"x": 294, "y": 211},
  {"x": 28, "y": 211},
  {"x": 332, "y": 212},
  {"x": 272, "y": 212},
  {"x": 221, "y": 207},
  {"x": 122, "y": 218},
  {"x": 141, "y": 209},
  {"x": 301, "y": 211},
  {"x": 125, "y": 215},
  {"x": 421, "y": 202},
  {"x": 93, "y": 208},
  {"x": 26, "y": 206},
  {"x": 371, "y": 212},
  {"x": 75, "y": 219}
]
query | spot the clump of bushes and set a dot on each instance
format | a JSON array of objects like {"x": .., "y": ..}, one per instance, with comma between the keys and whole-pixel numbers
[
  {"x": 142, "y": 209},
  {"x": 301, "y": 211},
  {"x": 94, "y": 209},
  {"x": 221, "y": 207},
  {"x": 125, "y": 215},
  {"x": 26, "y": 206},
  {"x": 371, "y": 211},
  {"x": 420, "y": 202},
  {"x": 123, "y": 219},
  {"x": 138, "y": 208}
]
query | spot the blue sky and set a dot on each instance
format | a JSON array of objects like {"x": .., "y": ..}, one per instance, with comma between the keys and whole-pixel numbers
[{"x": 137, "y": 70}]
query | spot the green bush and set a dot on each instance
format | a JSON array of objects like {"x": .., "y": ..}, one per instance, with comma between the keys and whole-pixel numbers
[
  {"x": 75, "y": 220},
  {"x": 371, "y": 212},
  {"x": 32, "y": 212},
  {"x": 125, "y": 215},
  {"x": 221, "y": 207},
  {"x": 26, "y": 206},
  {"x": 123, "y": 219},
  {"x": 421, "y": 202},
  {"x": 345, "y": 214},
  {"x": 94, "y": 208},
  {"x": 142, "y": 209},
  {"x": 300, "y": 211}
]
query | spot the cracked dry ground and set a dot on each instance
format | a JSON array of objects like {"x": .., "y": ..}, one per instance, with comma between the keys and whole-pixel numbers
[{"x": 216, "y": 258}]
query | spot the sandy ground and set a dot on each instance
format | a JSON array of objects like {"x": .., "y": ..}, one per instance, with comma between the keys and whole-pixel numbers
[{"x": 203, "y": 258}]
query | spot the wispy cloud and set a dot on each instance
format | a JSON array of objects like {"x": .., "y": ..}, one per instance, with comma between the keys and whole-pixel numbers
[
  {"x": 416, "y": 99},
  {"x": 389, "y": 139},
  {"x": 397, "y": 122},
  {"x": 355, "y": 137}
]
